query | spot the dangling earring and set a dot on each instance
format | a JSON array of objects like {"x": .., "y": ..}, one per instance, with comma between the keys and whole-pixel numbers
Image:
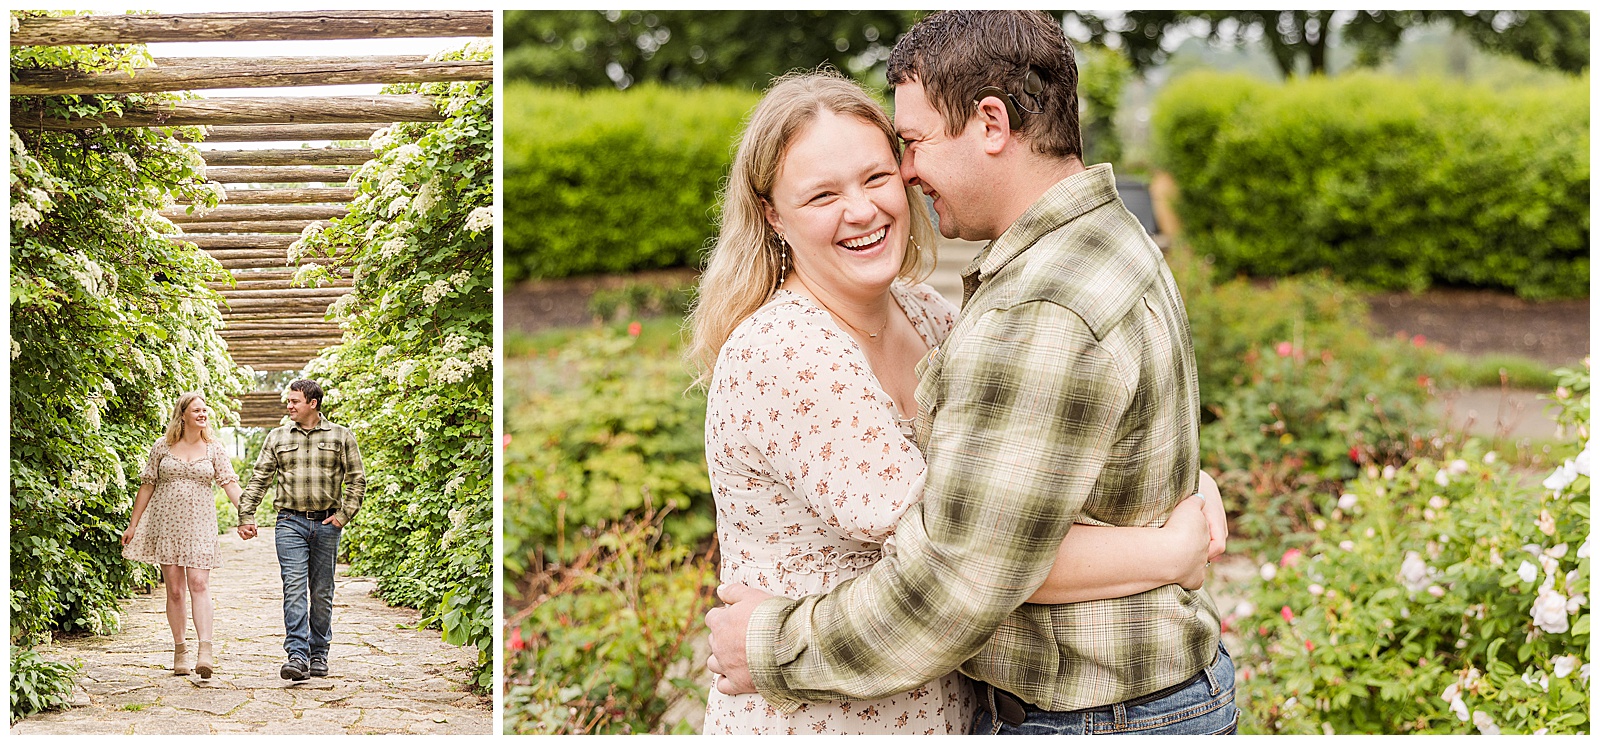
[{"x": 783, "y": 260}]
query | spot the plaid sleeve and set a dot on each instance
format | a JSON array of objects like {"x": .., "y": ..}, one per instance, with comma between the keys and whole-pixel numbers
[
  {"x": 355, "y": 481},
  {"x": 1028, "y": 406},
  {"x": 260, "y": 478}
]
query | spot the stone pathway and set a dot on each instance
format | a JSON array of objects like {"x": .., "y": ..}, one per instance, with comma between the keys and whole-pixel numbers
[{"x": 387, "y": 677}]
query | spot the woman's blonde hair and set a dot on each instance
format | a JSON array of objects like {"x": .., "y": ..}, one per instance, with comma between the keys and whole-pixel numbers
[
  {"x": 742, "y": 269},
  {"x": 176, "y": 425}
]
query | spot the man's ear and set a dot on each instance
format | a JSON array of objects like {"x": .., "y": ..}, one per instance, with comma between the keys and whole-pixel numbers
[{"x": 996, "y": 123}]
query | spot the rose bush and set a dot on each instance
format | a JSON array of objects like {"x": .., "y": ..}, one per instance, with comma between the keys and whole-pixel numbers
[
  {"x": 1444, "y": 595},
  {"x": 414, "y": 375}
]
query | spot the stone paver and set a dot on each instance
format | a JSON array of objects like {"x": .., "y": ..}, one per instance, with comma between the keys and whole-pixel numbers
[{"x": 386, "y": 676}]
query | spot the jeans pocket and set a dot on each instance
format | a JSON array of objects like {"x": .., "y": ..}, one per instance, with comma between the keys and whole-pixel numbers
[{"x": 1232, "y": 728}]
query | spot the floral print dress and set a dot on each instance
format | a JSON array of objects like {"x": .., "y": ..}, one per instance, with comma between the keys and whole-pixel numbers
[
  {"x": 179, "y": 526},
  {"x": 811, "y": 467}
]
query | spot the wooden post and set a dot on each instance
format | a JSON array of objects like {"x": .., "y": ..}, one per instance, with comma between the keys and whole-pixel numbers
[
  {"x": 410, "y": 107},
  {"x": 200, "y": 73},
  {"x": 303, "y": 25}
]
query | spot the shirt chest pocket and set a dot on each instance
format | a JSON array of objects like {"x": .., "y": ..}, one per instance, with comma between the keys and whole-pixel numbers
[
  {"x": 329, "y": 455},
  {"x": 288, "y": 456}
]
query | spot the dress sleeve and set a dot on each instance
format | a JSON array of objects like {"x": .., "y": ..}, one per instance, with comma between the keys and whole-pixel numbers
[
  {"x": 223, "y": 465},
  {"x": 805, "y": 402},
  {"x": 152, "y": 464}
]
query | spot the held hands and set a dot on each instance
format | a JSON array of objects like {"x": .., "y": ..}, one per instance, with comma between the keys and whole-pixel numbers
[
  {"x": 247, "y": 530},
  {"x": 728, "y": 625}
]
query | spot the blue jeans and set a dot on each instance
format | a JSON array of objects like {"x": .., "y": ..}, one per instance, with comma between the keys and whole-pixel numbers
[
  {"x": 307, "y": 550},
  {"x": 1204, "y": 707}
]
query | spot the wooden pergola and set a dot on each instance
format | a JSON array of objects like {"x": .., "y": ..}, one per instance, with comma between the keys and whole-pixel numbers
[{"x": 272, "y": 193}]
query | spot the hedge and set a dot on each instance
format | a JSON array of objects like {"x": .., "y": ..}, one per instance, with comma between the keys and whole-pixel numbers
[
  {"x": 1390, "y": 184},
  {"x": 608, "y": 182}
]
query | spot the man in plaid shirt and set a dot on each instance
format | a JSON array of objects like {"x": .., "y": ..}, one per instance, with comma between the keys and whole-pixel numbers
[
  {"x": 1067, "y": 392},
  {"x": 317, "y": 467}
]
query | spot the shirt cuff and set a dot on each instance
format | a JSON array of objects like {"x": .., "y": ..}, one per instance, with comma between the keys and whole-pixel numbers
[{"x": 761, "y": 653}]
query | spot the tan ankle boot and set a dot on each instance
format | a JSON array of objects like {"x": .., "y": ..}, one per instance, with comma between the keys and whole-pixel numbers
[
  {"x": 203, "y": 663},
  {"x": 180, "y": 663}
]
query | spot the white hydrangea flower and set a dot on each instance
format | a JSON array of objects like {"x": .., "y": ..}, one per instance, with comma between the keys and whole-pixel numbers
[
  {"x": 397, "y": 206},
  {"x": 483, "y": 356},
  {"x": 407, "y": 153},
  {"x": 392, "y": 248},
  {"x": 24, "y": 216},
  {"x": 380, "y": 139},
  {"x": 452, "y": 370},
  {"x": 460, "y": 278},
  {"x": 454, "y": 343},
  {"x": 126, "y": 161},
  {"x": 1550, "y": 612},
  {"x": 303, "y": 273},
  {"x": 311, "y": 229},
  {"x": 16, "y": 351},
  {"x": 402, "y": 371},
  {"x": 433, "y": 293},
  {"x": 393, "y": 488},
  {"x": 16, "y": 144},
  {"x": 480, "y": 219},
  {"x": 452, "y": 485},
  {"x": 372, "y": 230},
  {"x": 427, "y": 197}
]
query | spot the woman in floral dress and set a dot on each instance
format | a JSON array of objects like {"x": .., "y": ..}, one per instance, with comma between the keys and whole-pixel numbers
[
  {"x": 809, "y": 326},
  {"x": 174, "y": 522}
]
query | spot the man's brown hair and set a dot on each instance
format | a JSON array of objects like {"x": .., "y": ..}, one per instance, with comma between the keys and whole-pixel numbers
[{"x": 954, "y": 53}]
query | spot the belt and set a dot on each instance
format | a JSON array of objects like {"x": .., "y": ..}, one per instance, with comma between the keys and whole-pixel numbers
[
  {"x": 311, "y": 515},
  {"x": 1012, "y": 710}
]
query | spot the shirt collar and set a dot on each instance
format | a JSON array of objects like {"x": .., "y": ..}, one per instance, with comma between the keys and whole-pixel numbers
[
  {"x": 322, "y": 424},
  {"x": 1068, "y": 200}
]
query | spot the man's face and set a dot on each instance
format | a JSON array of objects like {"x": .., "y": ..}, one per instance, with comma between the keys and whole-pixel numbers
[
  {"x": 301, "y": 411},
  {"x": 947, "y": 168}
]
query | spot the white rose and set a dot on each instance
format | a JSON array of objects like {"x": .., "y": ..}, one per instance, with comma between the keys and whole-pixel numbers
[
  {"x": 1441, "y": 478},
  {"x": 1269, "y": 571},
  {"x": 1490, "y": 457},
  {"x": 1484, "y": 723},
  {"x": 1347, "y": 545},
  {"x": 1527, "y": 572},
  {"x": 1563, "y": 477},
  {"x": 1414, "y": 572},
  {"x": 1565, "y": 664},
  {"x": 1576, "y": 602},
  {"x": 1347, "y": 502},
  {"x": 1458, "y": 467},
  {"x": 1581, "y": 463},
  {"x": 1459, "y": 707},
  {"x": 1388, "y": 473},
  {"x": 1557, "y": 551}
]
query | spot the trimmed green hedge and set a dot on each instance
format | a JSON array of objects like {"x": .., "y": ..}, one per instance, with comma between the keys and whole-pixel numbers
[
  {"x": 1389, "y": 184},
  {"x": 607, "y": 182}
]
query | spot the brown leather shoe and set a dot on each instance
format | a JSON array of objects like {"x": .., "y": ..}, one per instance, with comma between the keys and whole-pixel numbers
[
  {"x": 180, "y": 665},
  {"x": 203, "y": 663}
]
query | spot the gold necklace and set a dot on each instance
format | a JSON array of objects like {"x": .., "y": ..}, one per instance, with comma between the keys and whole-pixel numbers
[{"x": 853, "y": 326}]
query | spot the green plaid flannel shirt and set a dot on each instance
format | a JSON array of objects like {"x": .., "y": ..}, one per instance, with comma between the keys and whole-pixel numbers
[
  {"x": 1067, "y": 392},
  {"x": 315, "y": 469}
]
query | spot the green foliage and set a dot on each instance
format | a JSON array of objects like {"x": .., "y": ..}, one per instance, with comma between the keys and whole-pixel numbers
[
  {"x": 614, "y": 182},
  {"x": 414, "y": 377},
  {"x": 604, "y": 647},
  {"x": 1102, "y": 75},
  {"x": 641, "y": 299},
  {"x": 602, "y": 430},
  {"x": 1446, "y": 596},
  {"x": 110, "y": 321},
  {"x": 1388, "y": 184},
  {"x": 738, "y": 48},
  {"x": 38, "y": 684}
]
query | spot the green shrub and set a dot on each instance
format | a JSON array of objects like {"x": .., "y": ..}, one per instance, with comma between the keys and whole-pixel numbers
[
  {"x": 1387, "y": 183},
  {"x": 610, "y": 182},
  {"x": 38, "y": 684},
  {"x": 1444, "y": 596},
  {"x": 1102, "y": 76},
  {"x": 605, "y": 646},
  {"x": 602, "y": 431},
  {"x": 413, "y": 377}
]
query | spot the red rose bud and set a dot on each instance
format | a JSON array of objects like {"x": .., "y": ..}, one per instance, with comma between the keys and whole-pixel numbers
[
  {"x": 1285, "y": 349},
  {"x": 1419, "y": 340},
  {"x": 634, "y": 329},
  {"x": 1355, "y": 454},
  {"x": 1288, "y": 615},
  {"x": 1309, "y": 645},
  {"x": 515, "y": 643},
  {"x": 1290, "y": 558}
]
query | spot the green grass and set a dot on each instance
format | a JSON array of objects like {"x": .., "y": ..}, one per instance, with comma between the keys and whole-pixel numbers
[
  {"x": 1486, "y": 371},
  {"x": 656, "y": 336}
]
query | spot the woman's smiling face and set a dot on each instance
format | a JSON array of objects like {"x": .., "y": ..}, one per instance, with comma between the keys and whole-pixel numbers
[
  {"x": 839, "y": 202},
  {"x": 197, "y": 416}
]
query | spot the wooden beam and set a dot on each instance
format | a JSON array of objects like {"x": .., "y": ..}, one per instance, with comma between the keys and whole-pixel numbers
[
  {"x": 290, "y": 132},
  {"x": 269, "y": 317},
  {"x": 288, "y": 293},
  {"x": 322, "y": 195},
  {"x": 274, "y": 263},
  {"x": 261, "y": 241},
  {"x": 410, "y": 107},
  {"x": 248, "y": 226},
  {"x": 200, "y": 73},
  {"x": 333, "y": 156},
  {"x": 322, "y": 328},
  {"x": 269, "y": 26},
  {"x": 248, "y": 212},
  {"x": 279, "y": 274},
  {"x": 270, "y": 284},
  {"x": 280, "y": 175},
  {"x": 307, "y": 306}
]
